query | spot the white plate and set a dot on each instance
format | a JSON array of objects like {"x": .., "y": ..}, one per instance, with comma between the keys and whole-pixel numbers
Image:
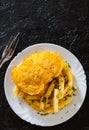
[{"x": 24, "y": 111}]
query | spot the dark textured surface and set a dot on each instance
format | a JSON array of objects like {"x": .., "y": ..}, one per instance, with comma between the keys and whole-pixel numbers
[{"x": 62, "y": 22}]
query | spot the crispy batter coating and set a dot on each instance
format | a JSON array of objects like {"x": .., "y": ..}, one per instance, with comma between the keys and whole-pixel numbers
[{"x": 35, "y": 71}]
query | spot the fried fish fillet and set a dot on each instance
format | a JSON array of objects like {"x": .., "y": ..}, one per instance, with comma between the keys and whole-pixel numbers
[{"x": 36, "y": 70}]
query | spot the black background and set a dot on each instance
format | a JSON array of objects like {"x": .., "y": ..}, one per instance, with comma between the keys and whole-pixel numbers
[{"x": 62, "y": 22}]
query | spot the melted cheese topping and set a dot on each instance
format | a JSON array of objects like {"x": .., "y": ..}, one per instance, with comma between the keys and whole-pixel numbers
[{"x": 35, "y": 71}]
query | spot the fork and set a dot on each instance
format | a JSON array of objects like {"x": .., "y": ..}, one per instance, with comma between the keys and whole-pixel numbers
[{"x": 9, "y": 49}]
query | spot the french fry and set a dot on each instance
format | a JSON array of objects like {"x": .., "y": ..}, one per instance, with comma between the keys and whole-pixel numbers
[
  {"x": 35, "y": 107},
  {"x": 55, "y": 100},
  {"x": 36, "y": 103},
  {"x": 70, "y": 81},
  {"x": 16, "y": 91},
  {"x": 42, "y": 103},
  {"x": 61, "y": 86},
  {"x": 49, "y": 90},
  {"x": 49, "y": 110},
  {"x": 63, "y": 102}
]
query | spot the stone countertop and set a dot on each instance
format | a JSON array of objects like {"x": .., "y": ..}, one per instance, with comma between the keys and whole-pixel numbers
[{"x": 62, "y": 22}]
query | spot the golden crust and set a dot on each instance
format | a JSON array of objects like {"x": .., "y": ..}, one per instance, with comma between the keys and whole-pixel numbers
[{"x": 38, "y": 69}]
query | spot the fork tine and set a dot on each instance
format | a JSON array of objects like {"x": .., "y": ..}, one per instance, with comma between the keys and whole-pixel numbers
[
  {"x": 16, "y": 44},
  {"x": 9, "y": 40},
  {"x": 9, "y": 49},
  {"x": 13, "y": 48},
  {"x": 8, "y": 44},
  {"x": 13, "y": 41},
  {"x": 16, "y": 36}
]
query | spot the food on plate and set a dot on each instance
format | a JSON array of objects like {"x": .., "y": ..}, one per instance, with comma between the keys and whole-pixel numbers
[{"x": 44, "y": 80}]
